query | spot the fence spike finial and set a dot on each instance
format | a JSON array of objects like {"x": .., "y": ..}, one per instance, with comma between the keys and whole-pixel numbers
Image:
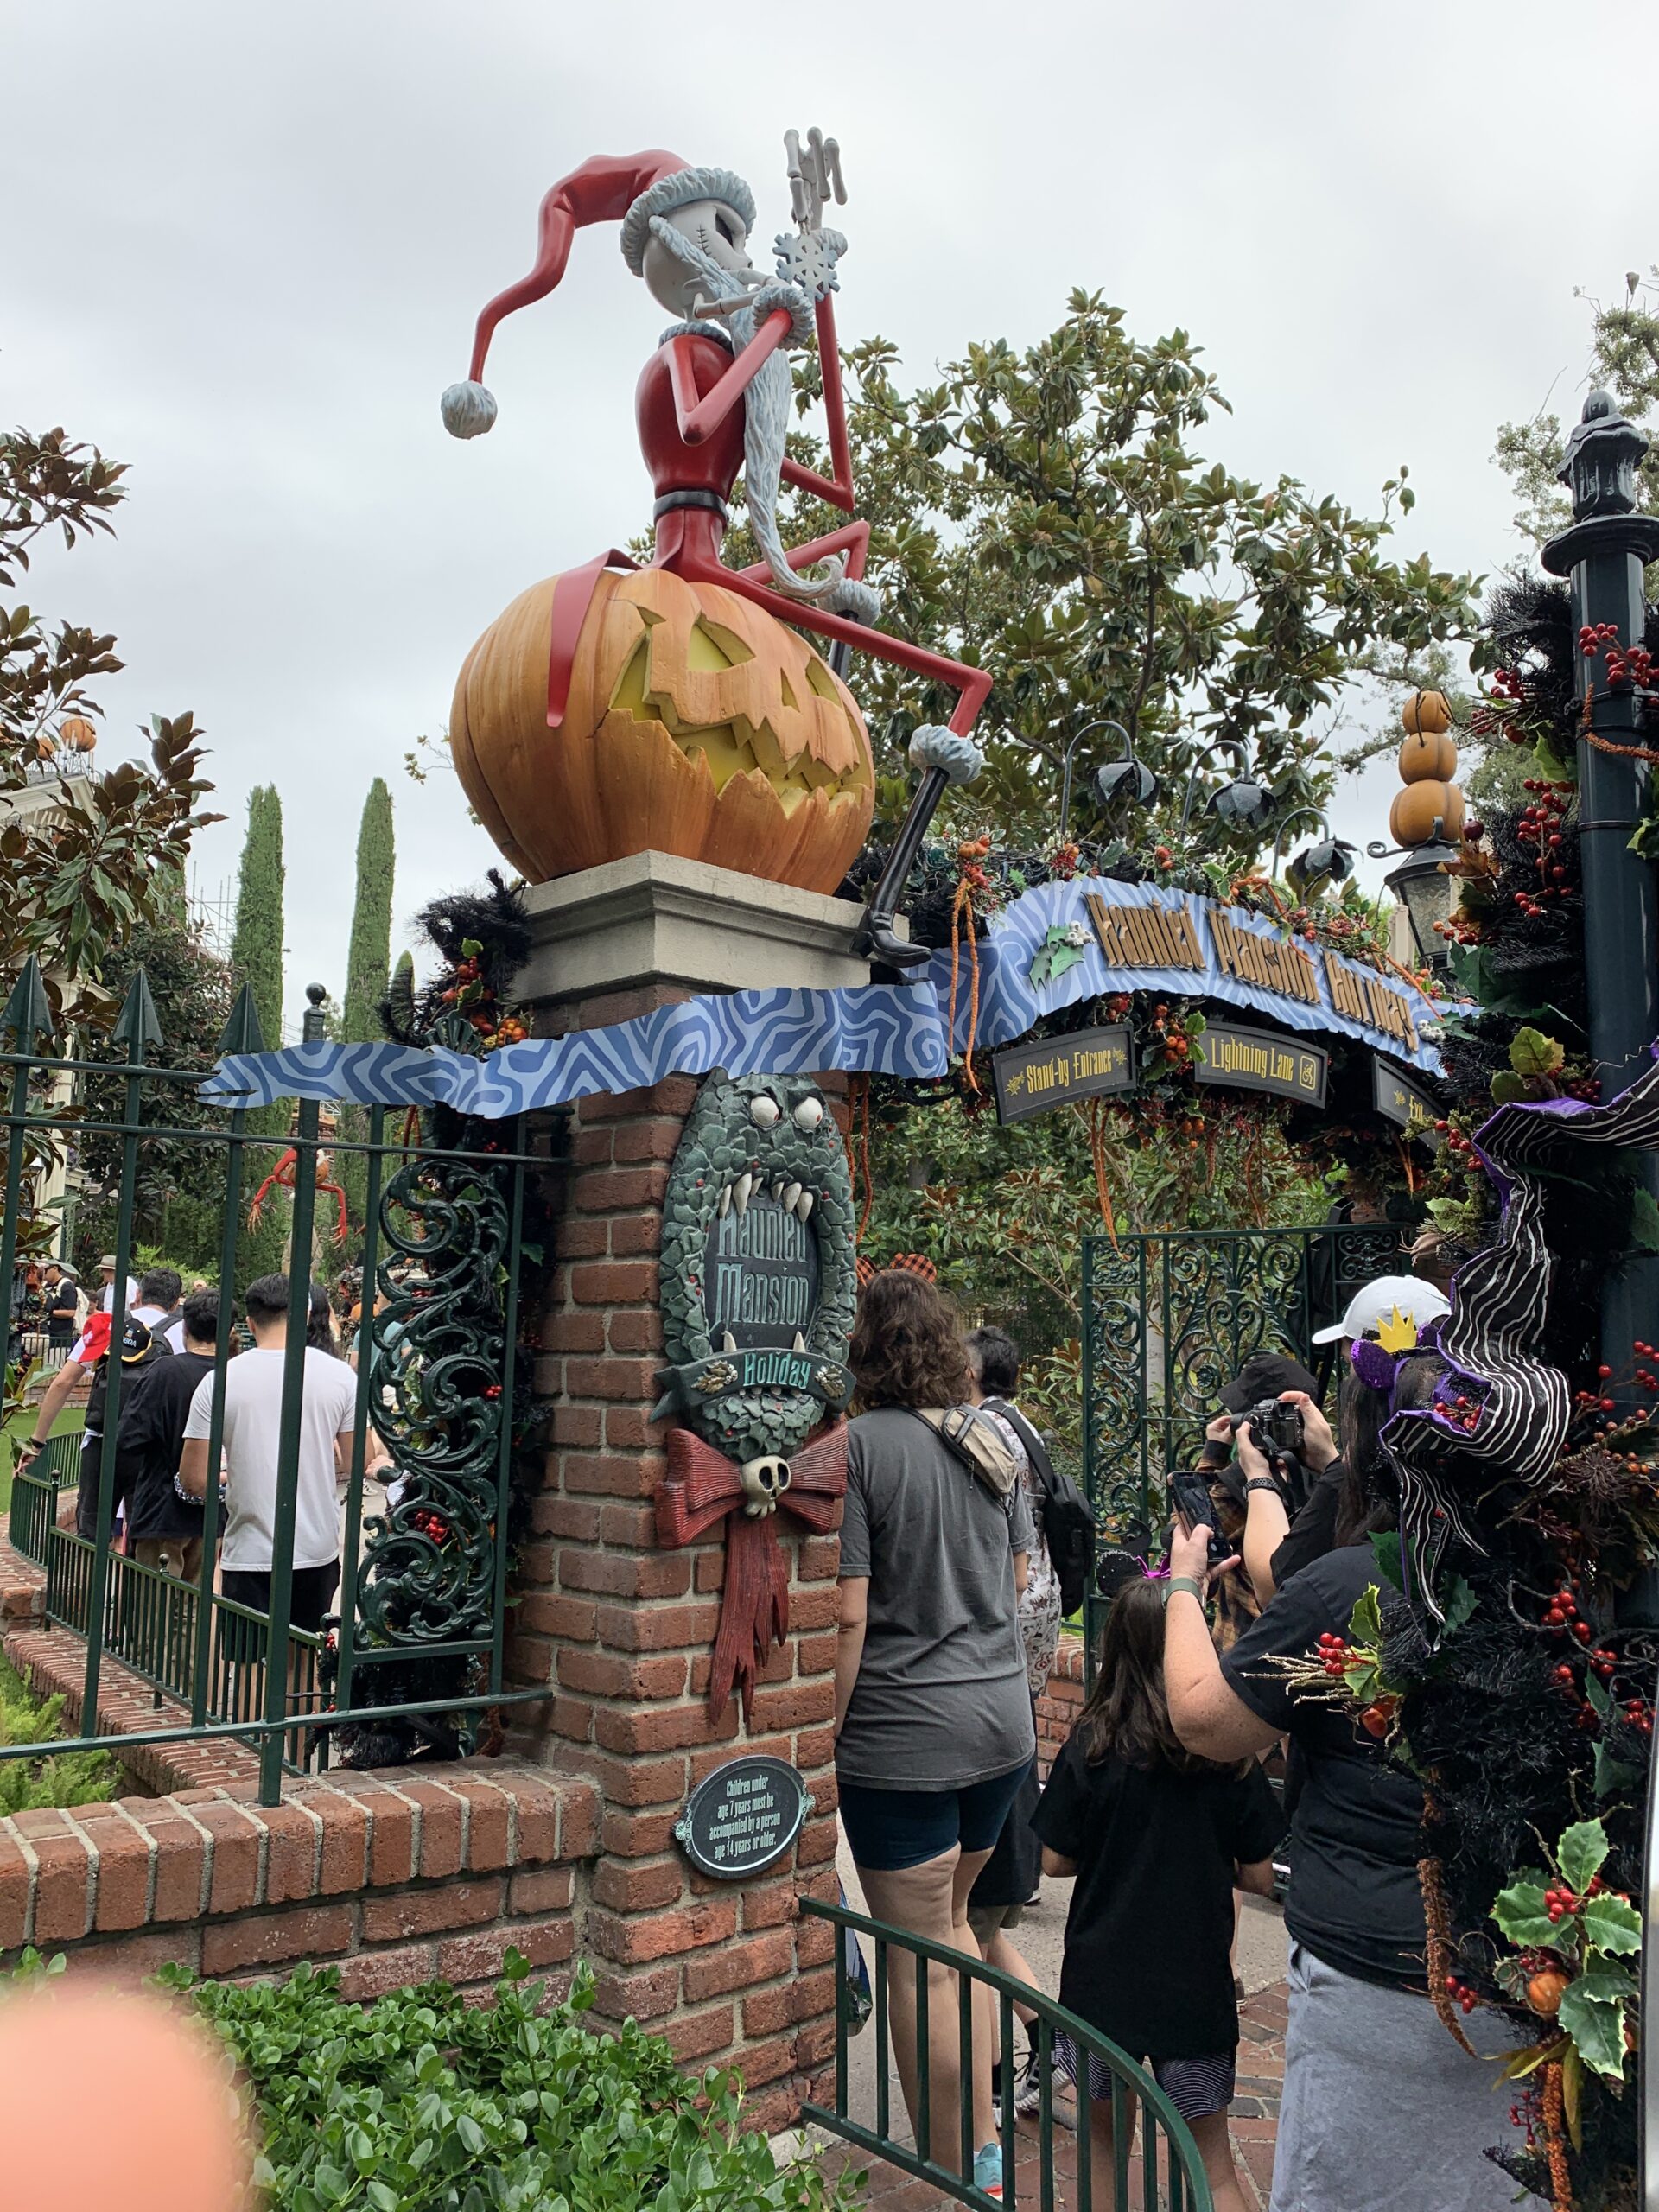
[
  {"x": 242, "y": 1031},
  {"x": 137, "y": 1026},
  {"x": 28, "y": 1012}
]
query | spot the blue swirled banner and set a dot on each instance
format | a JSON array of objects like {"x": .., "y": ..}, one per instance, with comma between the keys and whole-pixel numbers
[
  {"x": 875, "y": 1028},
  {"x": 1050, "y": 949}
]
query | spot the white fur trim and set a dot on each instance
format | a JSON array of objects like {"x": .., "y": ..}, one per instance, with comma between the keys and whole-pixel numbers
[
  {"x": 678, "y": 190},
  {"x": 468, "y": 411}
]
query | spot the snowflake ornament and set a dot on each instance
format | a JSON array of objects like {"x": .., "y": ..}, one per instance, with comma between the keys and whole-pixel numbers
[{"x": 808, "y": 259}]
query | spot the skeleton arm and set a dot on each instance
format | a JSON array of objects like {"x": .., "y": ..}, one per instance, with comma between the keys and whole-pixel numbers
[{"x": 696, "y": 414}]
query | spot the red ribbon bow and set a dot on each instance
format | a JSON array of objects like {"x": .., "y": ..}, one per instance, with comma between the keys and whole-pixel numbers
[{"x": 701, "y": 1487}]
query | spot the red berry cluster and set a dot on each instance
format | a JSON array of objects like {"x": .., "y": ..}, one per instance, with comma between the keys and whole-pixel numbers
[
  {"x": 1333, "y": 1653},
  {"x": 1461, "y": 1412},
  {"x": 1639, "y": 1713},
  {"x": 1540, "y": 827},
  {"x": 1460, "y": 1993},
  {"x": 430, "y": 1524},
  {"x": 1506, "y": 682},
  {"x": 1591, "y": 639},
  {"x": 1063, "y": 863},
  {"x": 1635, "y": 666},
  {"x": 1162, "y": 857},
  {"x": 1460, "y": 1148},
  {"x": 1559, "y": 1901},
  {"x": 1562, "y": 1617}
]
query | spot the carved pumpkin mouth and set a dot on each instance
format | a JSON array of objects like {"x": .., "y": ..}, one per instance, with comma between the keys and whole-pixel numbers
[{"x": 798, "y": 745}]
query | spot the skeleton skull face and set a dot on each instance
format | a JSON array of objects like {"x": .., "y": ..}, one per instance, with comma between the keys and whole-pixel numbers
[
  {"x": 764, "y": 1483},
  {"x": 715, "y": 232}
]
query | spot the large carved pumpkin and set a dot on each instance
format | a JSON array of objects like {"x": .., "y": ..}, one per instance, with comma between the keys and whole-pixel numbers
[{"x": 695, "y": 724}]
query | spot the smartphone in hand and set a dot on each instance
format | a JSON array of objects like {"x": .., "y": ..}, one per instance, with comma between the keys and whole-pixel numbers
[{"x": 1190, "y": 1495}]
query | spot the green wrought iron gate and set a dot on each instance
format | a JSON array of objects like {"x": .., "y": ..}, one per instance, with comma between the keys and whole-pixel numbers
[{"x": 1170, "y": 1318}]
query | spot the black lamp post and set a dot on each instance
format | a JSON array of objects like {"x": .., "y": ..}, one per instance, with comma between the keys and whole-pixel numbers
[{"x": 1603, "y": 553}]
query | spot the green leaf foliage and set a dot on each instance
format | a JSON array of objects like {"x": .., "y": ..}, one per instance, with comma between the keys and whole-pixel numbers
[
  {"x": 1593, "y": 2013},
  {"x": 257, "y": 960},
  {"x": 1365, "y": 1622},
  {"x": 423, "y": 2103},
  {"x": 1580, "y": 1852},
  {"x": 59, "y": 1778},
  {"x": 368, "y": 972},
  {"x": 1385, "y": 1549},
  {"x": 1612, "y": 1924},
  {"x": 1645, "y": 1220},
  {"x": 1055, "y": 513},
  {"x": 1523, "y": 1915},
  {"x": 1532, "y": 1053}
]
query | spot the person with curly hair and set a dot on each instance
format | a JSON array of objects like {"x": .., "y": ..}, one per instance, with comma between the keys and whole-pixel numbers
[{"x": 933, "y": 1719}]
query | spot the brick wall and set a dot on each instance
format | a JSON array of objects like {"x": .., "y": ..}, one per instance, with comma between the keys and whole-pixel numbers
[
  {"x": 395, "y": 1876},
  {"x": 1061, "y": 1703},
  {"x": 623, "y": 1632}
]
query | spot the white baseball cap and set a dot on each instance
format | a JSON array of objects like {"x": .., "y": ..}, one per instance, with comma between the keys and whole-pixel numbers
[{"x": 1398, "y": 1299}]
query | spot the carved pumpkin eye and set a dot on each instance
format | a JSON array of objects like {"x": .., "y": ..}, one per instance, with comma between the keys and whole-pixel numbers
[
  {"x": 763, "y": 1111},
  {"x": 808, "y": 1113}
]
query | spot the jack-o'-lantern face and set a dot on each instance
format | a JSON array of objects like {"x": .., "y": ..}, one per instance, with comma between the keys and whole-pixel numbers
[{"x": 695, "y": 724}]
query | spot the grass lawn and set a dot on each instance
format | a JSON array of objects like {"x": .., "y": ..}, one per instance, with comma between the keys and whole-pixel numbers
[{"x": 18, "y": 1431}]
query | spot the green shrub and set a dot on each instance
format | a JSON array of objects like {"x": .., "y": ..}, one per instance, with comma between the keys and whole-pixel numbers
[
  {"x": 423, "y": 2103},
  {"x": 67, "y": 1777}
]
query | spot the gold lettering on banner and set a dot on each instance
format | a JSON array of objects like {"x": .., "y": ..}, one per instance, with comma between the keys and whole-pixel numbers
[
  {"x": 1144, "y": 935},
  {"x": 1369, "y": 1000}
]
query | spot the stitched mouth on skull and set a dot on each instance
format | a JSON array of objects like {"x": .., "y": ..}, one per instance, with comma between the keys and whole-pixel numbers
[{"x": 758, "y": 1254}]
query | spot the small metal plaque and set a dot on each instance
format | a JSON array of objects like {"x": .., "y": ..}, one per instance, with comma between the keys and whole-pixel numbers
[
  {"x": 743, "y": 1818},
  {"x": 1087, "y": 1063},
  {"x": 1261, "y": 1059}
]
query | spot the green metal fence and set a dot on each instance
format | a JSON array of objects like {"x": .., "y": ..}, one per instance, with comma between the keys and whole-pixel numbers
[
  {"x": 1170, "y": 1318},
  {"x": 421, "y": 1613},
  {"x": 1167, "y": 2166}
]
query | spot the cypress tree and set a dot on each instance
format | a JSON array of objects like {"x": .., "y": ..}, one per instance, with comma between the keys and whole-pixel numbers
[
  {"x": 257, "y": 960},
  {"x": 368, "y": 968}
]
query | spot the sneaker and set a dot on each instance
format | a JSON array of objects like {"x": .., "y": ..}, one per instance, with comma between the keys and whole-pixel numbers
[
  {"x": 1028, "y": 2088},
  {"x": 987, "y": 2172}
]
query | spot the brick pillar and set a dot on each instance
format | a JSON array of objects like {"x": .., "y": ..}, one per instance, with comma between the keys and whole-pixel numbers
[{"x": 624, "y": 1631}]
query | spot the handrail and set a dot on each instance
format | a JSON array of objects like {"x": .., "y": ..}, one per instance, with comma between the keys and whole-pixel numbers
[{"x": 1183, "y": 2182}]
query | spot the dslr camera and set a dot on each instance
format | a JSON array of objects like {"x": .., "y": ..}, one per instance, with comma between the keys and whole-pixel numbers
[{"x": 1276, "y": 1426}]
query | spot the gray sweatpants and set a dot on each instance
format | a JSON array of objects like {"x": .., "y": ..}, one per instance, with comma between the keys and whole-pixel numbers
[{"x": 1381, "y": 2111}]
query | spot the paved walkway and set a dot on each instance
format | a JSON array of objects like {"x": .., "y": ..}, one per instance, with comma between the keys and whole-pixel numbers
[{"x": 1254, "y": 2125}]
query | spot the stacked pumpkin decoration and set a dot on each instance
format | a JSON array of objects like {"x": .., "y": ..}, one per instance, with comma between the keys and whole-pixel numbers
[
  {"x": 1428, "y": 760},
  {"x": 695, "y": 724}
]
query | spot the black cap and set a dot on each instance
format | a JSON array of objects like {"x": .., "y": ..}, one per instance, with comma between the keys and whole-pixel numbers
[{"x": 1264, "y": 1374}]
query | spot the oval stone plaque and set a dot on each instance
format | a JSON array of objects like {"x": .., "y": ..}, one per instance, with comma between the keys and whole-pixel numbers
[{"x": 742, "y": 1817}]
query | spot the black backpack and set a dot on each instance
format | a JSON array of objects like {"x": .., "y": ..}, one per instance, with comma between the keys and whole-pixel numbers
[{"x": 1068, "y": 1521}]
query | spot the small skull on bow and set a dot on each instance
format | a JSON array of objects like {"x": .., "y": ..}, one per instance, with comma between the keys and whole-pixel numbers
[{"x": 764, "y": 1483}]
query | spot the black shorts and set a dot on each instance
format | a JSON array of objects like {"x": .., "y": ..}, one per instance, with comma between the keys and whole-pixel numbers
[
  {"x": 313, "y": 1593},
  {"x": 890, "y": 1829}
]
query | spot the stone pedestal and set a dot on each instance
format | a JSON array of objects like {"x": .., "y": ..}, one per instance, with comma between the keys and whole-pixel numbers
[{"x": 621, "y": 1629}]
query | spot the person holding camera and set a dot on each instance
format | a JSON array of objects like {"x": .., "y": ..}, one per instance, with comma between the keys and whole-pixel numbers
[{"x": 1275, "y": 1395}]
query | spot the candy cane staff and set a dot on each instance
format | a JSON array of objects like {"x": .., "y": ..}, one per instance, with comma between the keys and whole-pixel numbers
[{"x": 715, "y": 399}]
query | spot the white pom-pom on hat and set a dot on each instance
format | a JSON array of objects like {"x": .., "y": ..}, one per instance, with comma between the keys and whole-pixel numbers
[{"x": 468, "y": 410}]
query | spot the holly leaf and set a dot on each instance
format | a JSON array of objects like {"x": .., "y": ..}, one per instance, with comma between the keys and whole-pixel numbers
[
  {"x": 1613, "y": 1777},
  {"x": 1385, "y": 1549},
  {"x": 1593, "y": 2016},
  {"x": 1365, "y": 1622},
  {"x": 1459, "y": 1604},
  {"x": 1532, "y": 1053},
  {"x": 1612, "y": 1924},
  {"x": 1523, "y": 1915},
  {"x": 1595, "y": 1691},
  {"x": 1507, "y": 1087},
  {"x": 1645, "y": 1220},
  {"x": 1580, "y": 1852}
]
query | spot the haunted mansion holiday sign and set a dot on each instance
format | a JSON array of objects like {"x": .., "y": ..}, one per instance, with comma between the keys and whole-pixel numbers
[{"x": 760, "y": 1276}]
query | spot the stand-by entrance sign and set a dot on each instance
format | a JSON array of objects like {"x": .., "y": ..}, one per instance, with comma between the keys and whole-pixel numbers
[{"x": 1032, "y": 1078}]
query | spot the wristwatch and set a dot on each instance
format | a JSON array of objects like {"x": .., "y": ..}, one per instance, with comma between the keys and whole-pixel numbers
[
  {"x": 1262, "y": 1482},
  {"x": 1187, "y": 1582}
]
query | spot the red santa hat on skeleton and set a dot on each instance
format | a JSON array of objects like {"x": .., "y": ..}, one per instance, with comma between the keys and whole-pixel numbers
[{"x": 627, "y": 188}]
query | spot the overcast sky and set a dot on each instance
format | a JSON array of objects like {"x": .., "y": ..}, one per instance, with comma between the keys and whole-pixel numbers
[{"x": 244, "y": 249}]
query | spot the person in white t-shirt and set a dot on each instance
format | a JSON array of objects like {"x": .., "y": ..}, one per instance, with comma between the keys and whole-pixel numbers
[{"x": 253, "y": 1416}]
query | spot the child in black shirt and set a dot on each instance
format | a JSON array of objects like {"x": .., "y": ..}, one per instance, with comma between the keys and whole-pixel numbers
[{"x": 1158, "y": 1840}]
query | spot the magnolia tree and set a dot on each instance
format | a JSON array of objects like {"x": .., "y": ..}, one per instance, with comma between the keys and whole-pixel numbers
[
  {"x": 96, "y": 860},
  {"x": 1047, "y": 514}
]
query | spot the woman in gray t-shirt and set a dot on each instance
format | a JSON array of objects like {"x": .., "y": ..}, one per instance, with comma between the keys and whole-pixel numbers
[{"x": 933, "y": 1726}]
